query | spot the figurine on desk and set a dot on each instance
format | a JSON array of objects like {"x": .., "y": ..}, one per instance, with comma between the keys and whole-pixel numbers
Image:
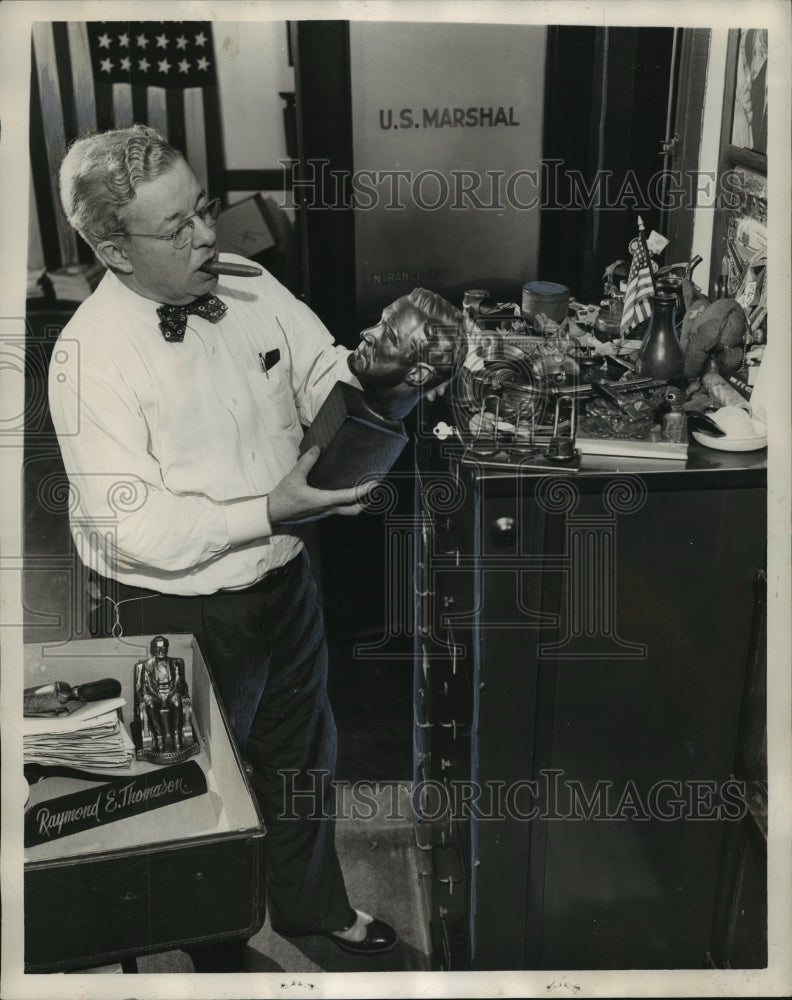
[{"x": 163, "y": 727}]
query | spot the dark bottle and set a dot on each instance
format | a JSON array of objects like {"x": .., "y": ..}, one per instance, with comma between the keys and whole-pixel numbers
[
  {"x": 671, "y": 283},
  {"x": 660, "y": 355}
]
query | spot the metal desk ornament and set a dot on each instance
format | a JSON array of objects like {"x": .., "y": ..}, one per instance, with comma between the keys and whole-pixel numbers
[
  {"x": 518, "y": 405},
  {"x": 163, "y": 729}
]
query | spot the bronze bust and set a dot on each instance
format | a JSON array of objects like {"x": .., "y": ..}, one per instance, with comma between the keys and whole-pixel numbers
[{"x": 420, "y": 341}]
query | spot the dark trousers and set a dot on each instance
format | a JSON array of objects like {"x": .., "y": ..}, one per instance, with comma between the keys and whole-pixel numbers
[{"x": 266, "y": 649}]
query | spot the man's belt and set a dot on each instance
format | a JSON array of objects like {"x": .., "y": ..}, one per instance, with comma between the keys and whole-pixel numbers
[{"x": 126, "y": 591}]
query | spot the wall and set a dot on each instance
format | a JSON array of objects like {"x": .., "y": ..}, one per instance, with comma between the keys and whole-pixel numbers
[
  {"x": 252, "y": 67},
  {"x": 430, "y": 100}
]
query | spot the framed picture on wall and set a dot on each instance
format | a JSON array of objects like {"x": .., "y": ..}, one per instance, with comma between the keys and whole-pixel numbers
[
  {"x": 749, "y": 121},
  {"x": 740, "y": 230}
]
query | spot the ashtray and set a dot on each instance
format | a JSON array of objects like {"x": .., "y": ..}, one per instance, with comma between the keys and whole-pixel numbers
[{"x": 727, "y": 443}]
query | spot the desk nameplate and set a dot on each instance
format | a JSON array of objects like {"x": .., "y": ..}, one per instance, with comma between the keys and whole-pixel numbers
[{"x": 113, "y": 801}]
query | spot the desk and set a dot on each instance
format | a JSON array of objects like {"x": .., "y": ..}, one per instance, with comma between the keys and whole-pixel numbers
[{"x": 187, "y": 873}]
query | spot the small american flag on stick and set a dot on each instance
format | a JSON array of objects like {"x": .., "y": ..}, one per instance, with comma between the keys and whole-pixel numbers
[{"x": 640, "y": 284}]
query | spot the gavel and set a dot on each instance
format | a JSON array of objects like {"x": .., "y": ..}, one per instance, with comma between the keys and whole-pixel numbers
[{"x": 53, "y": 698}]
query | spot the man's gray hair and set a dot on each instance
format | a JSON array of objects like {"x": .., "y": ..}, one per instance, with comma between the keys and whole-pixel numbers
[{"x": 100, "y": 173}]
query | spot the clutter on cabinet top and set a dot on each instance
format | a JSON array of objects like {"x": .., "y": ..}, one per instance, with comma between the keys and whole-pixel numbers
[
  {"x": 627, "y": 376},
  {"x": 737, "y": 426}
]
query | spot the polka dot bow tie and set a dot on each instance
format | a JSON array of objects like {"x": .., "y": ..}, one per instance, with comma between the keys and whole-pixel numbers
[{"x": 173, "y": 319}]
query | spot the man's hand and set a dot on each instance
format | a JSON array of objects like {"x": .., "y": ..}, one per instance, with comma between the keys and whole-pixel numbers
[{"x": 294, "y": 500}]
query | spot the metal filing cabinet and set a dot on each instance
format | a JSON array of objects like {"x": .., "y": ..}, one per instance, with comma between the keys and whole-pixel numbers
[{"x": 588, "y": 633}]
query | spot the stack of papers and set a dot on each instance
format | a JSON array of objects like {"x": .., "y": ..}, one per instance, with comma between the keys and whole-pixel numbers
[{"x": 92, "y": 738}]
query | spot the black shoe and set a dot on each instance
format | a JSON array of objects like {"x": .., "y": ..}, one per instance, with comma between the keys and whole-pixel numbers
[{"x": 380, "y": 937}]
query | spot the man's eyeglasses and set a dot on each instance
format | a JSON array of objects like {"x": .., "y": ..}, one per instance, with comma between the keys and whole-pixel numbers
[{"x": 182, "y": 236}]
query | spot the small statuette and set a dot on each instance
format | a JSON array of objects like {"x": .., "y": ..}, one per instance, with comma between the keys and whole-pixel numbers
[{"x": 162, "y": 730}]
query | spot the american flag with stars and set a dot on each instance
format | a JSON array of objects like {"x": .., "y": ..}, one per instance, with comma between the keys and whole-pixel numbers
[
  {"x": 95, "y": 75},
  {"x": 152, "y": 53},
  {"x": 640, "y": 288}
]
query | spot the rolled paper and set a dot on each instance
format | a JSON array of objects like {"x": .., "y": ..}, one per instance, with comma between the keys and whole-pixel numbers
[{"x": 237, "y": 270}]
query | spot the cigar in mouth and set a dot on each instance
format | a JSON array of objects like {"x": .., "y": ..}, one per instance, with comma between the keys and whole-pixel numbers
[{"x": 237, "y": 270}]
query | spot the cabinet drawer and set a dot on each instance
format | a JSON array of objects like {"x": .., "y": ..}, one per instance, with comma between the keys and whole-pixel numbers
[
  {"x": 131, "y": 904},
  {"x": 450, "y": 879}
]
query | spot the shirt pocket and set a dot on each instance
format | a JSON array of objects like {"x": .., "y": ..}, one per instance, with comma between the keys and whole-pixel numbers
[{"x": 272, "y": 396}]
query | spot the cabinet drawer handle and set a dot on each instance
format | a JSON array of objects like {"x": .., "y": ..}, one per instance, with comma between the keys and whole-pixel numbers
[
  {"x": 422, "y": 704},
  {"x": 504, "y": 531},
  {"x": 427, "y": 846},
  {"x": 448, "y": 866}
]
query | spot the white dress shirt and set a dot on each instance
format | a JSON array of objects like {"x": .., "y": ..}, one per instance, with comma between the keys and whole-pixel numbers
[{"x": 172, "y": 448}]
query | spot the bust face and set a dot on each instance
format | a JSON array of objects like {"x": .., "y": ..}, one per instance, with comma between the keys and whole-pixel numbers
[{"x": 389, "y": 351}]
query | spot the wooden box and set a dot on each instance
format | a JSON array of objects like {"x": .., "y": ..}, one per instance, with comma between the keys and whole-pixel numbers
[
  {"x": 356, "y": 442},
  {"x": 184, "y": 873}
]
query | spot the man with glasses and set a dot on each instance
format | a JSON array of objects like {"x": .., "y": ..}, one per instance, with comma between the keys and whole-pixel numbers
[{"x": 184, "y": 475}]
